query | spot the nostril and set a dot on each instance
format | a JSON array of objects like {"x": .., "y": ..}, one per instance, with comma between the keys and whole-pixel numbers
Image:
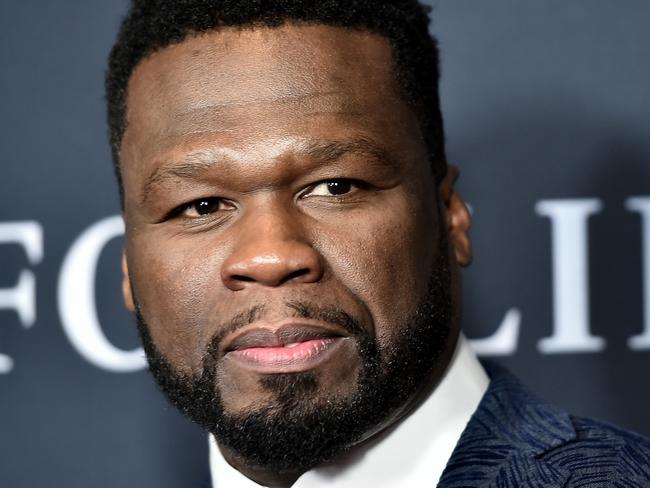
[
  {"x": 245, "y": 278},
  {"x": 296, "y": 274}
]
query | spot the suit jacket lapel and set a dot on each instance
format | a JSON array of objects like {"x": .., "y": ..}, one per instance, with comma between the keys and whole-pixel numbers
[{"x": 505, "y": 442}]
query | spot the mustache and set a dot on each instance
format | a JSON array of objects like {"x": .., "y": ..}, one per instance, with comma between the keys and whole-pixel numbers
[{"x": 295, "y": 308}]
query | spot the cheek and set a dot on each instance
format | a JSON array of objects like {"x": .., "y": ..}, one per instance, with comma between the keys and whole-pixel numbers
[
  {"x": 174, "y": 284},
  {"x": 385, "y": 260}
]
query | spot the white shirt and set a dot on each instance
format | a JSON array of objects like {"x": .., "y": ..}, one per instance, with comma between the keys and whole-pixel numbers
[{"x": 412, "y": 454}]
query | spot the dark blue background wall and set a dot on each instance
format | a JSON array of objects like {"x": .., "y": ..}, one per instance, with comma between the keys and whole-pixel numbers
[{"x": 547, "y": 106}]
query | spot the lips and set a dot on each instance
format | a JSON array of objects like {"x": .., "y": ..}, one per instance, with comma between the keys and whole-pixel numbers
[{"x": 288, "y": 348}]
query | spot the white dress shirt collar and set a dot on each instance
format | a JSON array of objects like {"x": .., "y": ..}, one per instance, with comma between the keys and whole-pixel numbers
[{"x": 414, "y": 453}]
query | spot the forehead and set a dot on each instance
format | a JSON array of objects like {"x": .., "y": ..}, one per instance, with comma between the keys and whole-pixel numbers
[
  {"x": 242, "y": 85},
  {"x": 263, "y": 59}
]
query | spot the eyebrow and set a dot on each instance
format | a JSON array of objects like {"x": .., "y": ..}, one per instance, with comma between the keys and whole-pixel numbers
[
  {"x": 189, "y": 167},
  {"x": 322, "y": 152},
  {"x": 330, "y": 151}
]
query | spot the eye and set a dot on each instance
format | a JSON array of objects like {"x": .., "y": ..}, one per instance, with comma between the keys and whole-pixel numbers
[
  {"x": 334, "y": 188},
  {"x": 204, "y": 206}
]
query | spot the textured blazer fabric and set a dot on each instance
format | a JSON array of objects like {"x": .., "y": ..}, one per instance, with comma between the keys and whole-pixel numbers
[{"x": 516, "y": 440}]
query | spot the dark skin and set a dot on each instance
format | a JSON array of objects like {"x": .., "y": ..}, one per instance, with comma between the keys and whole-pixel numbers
[{"x": 267, "y": 165}]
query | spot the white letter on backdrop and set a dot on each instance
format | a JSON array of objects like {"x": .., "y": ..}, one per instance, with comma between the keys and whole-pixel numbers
[
  {"x": 571, "y": 328},
  {"x": 642, "y": 205},
  {"x": 22, "y": 297},
  {"x": 504, "y": 341},
  {"x": 76, "y": 300}
]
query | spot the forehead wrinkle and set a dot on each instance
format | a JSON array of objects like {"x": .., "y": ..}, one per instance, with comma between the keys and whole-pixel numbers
[
  {"x": 227, "y": 116},
  {"x": 274, "y": 99}
]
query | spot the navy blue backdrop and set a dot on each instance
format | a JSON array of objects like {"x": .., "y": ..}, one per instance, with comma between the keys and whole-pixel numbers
[{"x": 547, "y": 112}]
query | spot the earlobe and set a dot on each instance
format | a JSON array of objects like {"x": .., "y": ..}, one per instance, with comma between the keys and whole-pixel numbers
[
  {"x": 458, "y": 217},
  {"x": 127, "y": 295}
]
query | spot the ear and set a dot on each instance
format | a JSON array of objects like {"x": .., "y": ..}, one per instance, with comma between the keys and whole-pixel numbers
[
  {"x": 458, "y": 217},
  {"x": 127, "y": 295}
]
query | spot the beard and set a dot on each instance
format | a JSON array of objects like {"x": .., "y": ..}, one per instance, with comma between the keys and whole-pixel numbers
[{"x": 302, "y": 428}]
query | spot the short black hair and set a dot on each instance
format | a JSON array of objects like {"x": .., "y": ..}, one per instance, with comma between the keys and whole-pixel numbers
[{"x": 151, "y": 25}]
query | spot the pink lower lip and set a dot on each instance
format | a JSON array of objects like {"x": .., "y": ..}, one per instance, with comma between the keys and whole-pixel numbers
[{"x": 302, "y": 356}]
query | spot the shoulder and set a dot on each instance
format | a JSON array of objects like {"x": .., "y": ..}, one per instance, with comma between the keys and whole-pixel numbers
[
  {"x": 601, "y": 451},
  {"x": 516, "y": 439}
]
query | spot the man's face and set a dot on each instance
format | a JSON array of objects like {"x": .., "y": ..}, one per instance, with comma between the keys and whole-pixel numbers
[{"x": 281, "y": 216}]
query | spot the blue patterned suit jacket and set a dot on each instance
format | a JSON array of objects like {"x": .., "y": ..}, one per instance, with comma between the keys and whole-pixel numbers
[{"x": 516, "y": 440}]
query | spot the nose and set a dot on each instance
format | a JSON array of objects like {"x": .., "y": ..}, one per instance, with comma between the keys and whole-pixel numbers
[{"x": 270, "y": 251}]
